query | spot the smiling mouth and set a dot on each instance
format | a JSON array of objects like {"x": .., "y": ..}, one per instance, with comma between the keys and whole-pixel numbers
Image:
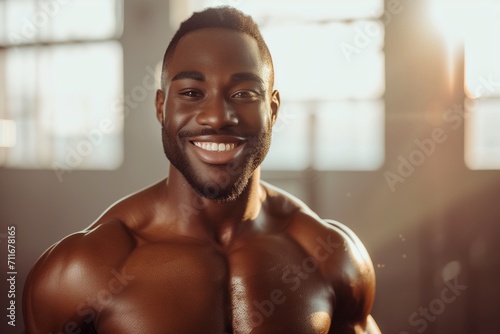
[
  {"x": 218, "y": 150},
  {"x": 215, "y": 147}
]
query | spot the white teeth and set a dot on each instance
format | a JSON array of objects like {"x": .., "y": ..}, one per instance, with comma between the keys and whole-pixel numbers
[{"x": 217, "y": 147}]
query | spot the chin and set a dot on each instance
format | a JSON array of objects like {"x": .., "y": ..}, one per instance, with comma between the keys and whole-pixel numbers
[{"x": 213, "y": 191}]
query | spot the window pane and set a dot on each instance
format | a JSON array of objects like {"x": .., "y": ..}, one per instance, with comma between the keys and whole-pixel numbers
[
  {"x": 32, "y": 21},
  {"x": 482, "y": 86},
  {"x": 328, "y": 136},
  {"x": 7, "y": 133},
  {"x": 482, "y": 52},
  {"x": 64, "y": 101},
  {"x": 349, "y": 136},
  {"x": 482, "y": 138},
  {"x": 324, "y": 62},
  {"x": 290, "y": 146}
]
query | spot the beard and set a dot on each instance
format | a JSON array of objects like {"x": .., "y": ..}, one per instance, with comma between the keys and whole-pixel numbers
[{"x": 230, "y": 180}]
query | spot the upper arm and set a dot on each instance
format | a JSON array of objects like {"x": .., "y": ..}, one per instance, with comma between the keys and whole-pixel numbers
[
  {"x": 48, "y": 297},
  {"x": 61, "y": 287},
  {"x": 354, "y": 284}
]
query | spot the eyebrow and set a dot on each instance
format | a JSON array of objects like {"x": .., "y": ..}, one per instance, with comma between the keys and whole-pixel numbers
[
  {"x": 246, "y": 76},
  {"x": 193, "y": 75},
  {"x": 237, "y": 77}
]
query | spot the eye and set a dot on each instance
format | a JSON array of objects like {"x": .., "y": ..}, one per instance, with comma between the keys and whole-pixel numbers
[
  {"x": 191, "y": 93},
  {"x": 245, "y": 94}
]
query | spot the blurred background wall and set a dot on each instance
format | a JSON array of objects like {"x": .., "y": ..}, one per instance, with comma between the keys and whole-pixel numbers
[{"x": 428, "y": 219}]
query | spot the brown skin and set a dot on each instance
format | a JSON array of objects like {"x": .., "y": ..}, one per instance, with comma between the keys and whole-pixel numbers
[{"x": 169, "y": 260}]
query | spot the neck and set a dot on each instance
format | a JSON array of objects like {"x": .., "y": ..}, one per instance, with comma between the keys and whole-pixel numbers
[{"x": 202, "y": 216}]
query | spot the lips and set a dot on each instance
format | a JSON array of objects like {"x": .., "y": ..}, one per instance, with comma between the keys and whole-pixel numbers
[{"x": 217, "y": 149}]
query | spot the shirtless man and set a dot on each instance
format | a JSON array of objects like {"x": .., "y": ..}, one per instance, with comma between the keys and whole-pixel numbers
[{"x": 212, "y": 248}]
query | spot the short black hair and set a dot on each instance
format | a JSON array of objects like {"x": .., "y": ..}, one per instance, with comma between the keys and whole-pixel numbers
[{"x": 219, "y": 17}]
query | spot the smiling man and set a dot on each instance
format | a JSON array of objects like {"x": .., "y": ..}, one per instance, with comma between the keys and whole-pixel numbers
[{"x": 212, "y": 248}]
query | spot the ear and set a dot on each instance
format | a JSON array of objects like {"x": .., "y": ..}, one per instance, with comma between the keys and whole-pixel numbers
[
  {"x": 275, "y": 105},
  {"x": 159, "y": 103}
]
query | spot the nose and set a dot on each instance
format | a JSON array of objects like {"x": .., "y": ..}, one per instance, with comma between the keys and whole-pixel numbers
[{"x": 217, "y": 113}]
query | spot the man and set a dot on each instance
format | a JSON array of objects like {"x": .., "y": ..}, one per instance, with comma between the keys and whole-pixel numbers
[{"x": 210, "y": 249}]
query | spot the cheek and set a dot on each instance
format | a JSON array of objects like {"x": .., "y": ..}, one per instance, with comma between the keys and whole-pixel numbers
[
  {"x": 175, "y": 116},
  {"x": 256, "y": 119}
]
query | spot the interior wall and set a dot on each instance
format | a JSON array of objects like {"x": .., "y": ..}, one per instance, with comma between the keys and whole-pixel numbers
[{"x": 440, "y": 223}]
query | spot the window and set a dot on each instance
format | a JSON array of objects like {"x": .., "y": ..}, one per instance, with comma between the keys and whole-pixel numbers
[
  {"x": 476, "y": 24},
  {"x": 329, "y": 65},
  {"x": 61, "y": 78},
  {"x": 482, "y": 85}
]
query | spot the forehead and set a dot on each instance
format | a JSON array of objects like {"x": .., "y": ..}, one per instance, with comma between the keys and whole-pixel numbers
[{"x": 217, "y": 51}]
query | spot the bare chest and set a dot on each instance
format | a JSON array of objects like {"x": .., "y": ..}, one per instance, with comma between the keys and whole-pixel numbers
[{"x": 269, "y": 285}]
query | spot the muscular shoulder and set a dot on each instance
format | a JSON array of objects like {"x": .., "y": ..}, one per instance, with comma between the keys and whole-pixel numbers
[
  {"x": 341, "y": 257},
  {"x": 70, "y": 272},
  {"x": 345, "y": 264}
]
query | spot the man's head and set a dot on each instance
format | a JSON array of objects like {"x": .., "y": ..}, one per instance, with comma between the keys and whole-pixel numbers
[
  {"x": 219, "y": 17},
  {"x": 217, "y": 104}
]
